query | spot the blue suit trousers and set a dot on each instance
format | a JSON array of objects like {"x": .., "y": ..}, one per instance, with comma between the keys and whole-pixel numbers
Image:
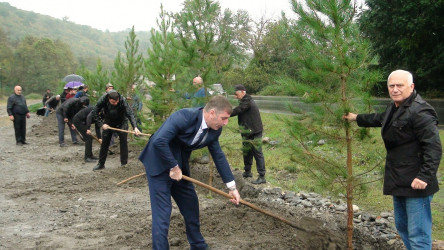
[{"x": 162, "y": 188}]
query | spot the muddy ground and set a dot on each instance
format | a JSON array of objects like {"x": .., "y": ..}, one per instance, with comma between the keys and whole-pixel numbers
[{"x": 50, "y": 199}]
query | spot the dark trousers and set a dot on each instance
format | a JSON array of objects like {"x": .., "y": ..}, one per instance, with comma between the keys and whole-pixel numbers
[
  {"x": 162, "y": 188},
  {"x": 20, "y": 128},
  {"x": 86, "y": 138},
  {"x": 61, "y": 126},
  {"x": 252, "y": 147},
  {"x": 106, "y": 140}
]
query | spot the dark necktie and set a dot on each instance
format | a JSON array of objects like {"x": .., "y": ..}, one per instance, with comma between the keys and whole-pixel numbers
[{"x": 202, "y": 136}]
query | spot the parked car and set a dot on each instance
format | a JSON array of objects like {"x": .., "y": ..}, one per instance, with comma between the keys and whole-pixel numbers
[{"x": 217, "y": 89}]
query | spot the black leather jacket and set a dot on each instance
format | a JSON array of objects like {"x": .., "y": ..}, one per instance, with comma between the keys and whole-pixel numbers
[
  {"x": 114, "y": 116},
  {"x": 413, "y": 145},
  {"x": 249, "y": 117}
]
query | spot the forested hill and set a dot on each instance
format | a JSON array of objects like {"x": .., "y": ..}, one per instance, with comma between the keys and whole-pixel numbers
[{"x": 87, "y": 43}]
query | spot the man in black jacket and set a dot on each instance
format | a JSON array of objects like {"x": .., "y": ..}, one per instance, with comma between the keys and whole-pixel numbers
[
  {"x": 65, "y": 113},
  {"x": 250, "y": 123},
  {"x": 18, "y": 112},
  {"x": 116, "y": 113},
  {"x": 81, "y": 121},
  {"x": 411, "y": 138}
]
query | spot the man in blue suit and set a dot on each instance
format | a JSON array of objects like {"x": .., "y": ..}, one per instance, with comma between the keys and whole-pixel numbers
[{"x": 166, "y": 158}]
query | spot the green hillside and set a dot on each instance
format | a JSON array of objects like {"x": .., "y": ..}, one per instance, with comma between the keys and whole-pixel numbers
[{"x": 87, "y": 44}]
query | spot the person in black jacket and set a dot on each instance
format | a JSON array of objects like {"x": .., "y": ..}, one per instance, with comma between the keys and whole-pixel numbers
[
  {"x": 52, "y": 104},
  {"x": 116, "y": 113},
  {"x": 18, "y": 112},
  {"x": 411, "y": 137},
  {"x": 65, "y": 113},
  {"x": 46, "y": 96},
  {"x": 81, "y": 121},
  {"x": 250, "y": 123}
]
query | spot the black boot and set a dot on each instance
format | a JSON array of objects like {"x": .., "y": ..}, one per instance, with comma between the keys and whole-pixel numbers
[
  {"x": 98, "y": 167},
  {"x": 247, "y": 174},
  {"x": 260, "y": 180}
]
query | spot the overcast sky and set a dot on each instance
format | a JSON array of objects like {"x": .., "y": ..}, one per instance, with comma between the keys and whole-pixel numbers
[{"x": 118, "y": 15}]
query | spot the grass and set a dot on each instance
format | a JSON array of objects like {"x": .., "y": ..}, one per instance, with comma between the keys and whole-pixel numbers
[{"x": 287, "y": 174}]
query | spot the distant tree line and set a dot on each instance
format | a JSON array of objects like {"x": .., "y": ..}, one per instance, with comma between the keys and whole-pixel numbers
[{"x": 230, "y": 48}]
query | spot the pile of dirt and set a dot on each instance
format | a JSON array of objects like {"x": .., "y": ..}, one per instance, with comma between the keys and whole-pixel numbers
[{"x": 51, "y": 199}]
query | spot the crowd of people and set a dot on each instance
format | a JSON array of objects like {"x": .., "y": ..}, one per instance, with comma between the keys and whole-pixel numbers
[{"x": 408, "y": 128}]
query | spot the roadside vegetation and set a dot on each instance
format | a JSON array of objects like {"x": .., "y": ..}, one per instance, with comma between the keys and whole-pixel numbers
[{"x": 290, "y": 176}]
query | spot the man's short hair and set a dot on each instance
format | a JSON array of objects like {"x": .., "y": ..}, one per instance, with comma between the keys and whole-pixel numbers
[
  {"x": 84, "y": 100},
  {"x": 219, "y": 103},
  {"x": 113, "y": 95},
  {"x": 239, "y": 87},
  {"x": 108, "y": 85}
]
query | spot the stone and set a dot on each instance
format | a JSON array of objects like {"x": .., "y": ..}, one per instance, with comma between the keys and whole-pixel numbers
[
  {"x": 365, "y": 216},
  {"x": 321, "y": 142},
  {"x": 341, "y": 208},
  {"x": 385, "y": 214},
  {"x": 306, "y": 203},
  {"x": 355, "y": 208}
]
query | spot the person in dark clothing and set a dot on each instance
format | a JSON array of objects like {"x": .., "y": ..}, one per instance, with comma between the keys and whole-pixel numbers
[
  {"x": 81, "y": 121},
  {"x": 18, "y": 112},
  {"x": 63, "y": 95},
  {"x": 411, "y": 137},
  {"x": 166, "y": 159},
  {"x": 65, "y": 113},
  {"x": 116, "y": 113},
  {"x": 46, "y": 96},
  {"x": 250, "y": 124},
  {"x": 83, "y": 91},
  {"x": 52, "y": 104}
]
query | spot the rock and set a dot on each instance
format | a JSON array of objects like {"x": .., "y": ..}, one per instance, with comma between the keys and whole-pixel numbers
[
  {"x": 355, "y": 208},
  {"x": 306, "y": 203},
  {"x": 175, "y": 242},
  {"x": 385, "y": 214},
  {"x": 266, "y": 140},
  {"x": 365, "y": 216},
  {"x": 340, "y": 208},
  {"x": 321, "y": 142},
  {"x": 273, "y": 143},
  {"x": 113, "y": 216},
  {"x": 391, "y": 242},
  {"x": 304, "y": 195}
]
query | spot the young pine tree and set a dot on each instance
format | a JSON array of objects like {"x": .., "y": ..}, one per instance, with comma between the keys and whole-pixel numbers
[
  {"x": 161, "y": 67},
  {"x": 128, "y": 70},
  {"x": 335, "y": 62}
]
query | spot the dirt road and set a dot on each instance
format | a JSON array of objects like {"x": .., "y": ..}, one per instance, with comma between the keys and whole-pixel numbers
[{"x": 50, "y": 199}]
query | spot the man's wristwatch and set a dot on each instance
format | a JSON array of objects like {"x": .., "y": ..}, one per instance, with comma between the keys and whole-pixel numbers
[{"x": 232, "y": 188}]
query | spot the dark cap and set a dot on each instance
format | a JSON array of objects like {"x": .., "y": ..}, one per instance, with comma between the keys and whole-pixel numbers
[{"x": 239, "y": 87}]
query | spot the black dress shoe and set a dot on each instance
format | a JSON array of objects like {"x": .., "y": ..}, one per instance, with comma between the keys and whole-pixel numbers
[
  {"x": 94, "y": 158},
  {"x": 98, "y": 167},
  {"x": 260, "y": 180},
  {"x": 24, "y": 142},
  {"x": 90, "y": 160}
]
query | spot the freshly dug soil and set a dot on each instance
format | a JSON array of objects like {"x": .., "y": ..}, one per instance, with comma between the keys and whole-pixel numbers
[{"x": 51, "y": 199}]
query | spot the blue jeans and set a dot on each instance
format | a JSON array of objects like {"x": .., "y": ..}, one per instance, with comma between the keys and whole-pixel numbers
[{"x": 413, "y": 220}]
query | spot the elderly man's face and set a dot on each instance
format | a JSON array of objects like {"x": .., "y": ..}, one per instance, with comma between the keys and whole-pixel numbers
[
  {"x": 398, "y": 87},
  {"x": 18, "y": 90}
]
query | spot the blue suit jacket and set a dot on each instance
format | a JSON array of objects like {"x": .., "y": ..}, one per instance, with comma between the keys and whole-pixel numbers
[{"x": 171, "y": 145}]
